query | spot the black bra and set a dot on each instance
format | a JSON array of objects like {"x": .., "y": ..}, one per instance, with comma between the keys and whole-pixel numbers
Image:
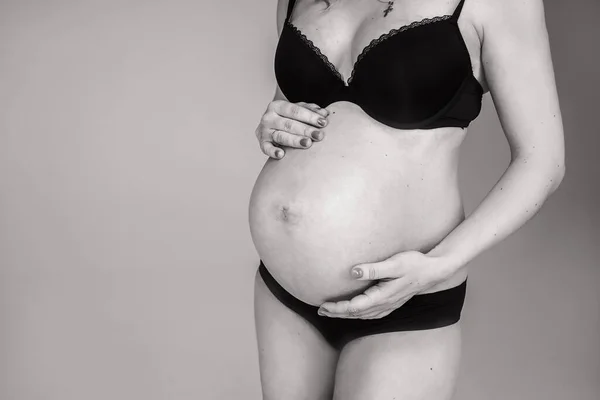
[{"x": 417, "y": 76}]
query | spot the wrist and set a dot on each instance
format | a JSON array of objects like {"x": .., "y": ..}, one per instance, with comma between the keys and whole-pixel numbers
[{"x": 447, "y": 263}]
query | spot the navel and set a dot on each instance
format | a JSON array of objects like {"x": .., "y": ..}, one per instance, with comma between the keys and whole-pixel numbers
[{"x": 286, "y": 213}]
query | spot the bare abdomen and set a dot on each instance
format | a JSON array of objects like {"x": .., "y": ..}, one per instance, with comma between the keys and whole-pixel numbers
[{"x": 361, "y": 195}]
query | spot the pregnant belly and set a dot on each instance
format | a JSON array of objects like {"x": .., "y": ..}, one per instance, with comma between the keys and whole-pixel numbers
[{"x": 360, "y": 195}]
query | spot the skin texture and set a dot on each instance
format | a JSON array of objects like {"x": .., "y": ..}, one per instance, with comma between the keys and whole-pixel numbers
[
  {"x": 518, "y": 67},
  {"x": 295, "y": 361},
  {"x": 508, "y": 43}
]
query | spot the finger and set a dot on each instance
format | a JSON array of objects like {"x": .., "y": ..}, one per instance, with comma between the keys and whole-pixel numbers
[
  {"x": 385, "y": 308},
  {"x": 271, "y": 150},
  {"x": 273, "y": 120},
  {"x": 379, "y": 314},
  {"x": 372, "y": 299},
  {"x": 299, "y": 113},
  {"x": 315, "y": 107},
  {"x": 295, "y": 127},
  {"x": 289, "y": 140},
  {"x": 372, "y": 315},
  {"x": 339, "y": 315},
  {"x": 342, "y": 316},
  {"x": 358, "y": 305},
  {"x": 374, "y": 271},
  {"x": 338, "y": 307},
  {"x": 382, "y": 310},
  {"x": 388, "y": 311},
  {"x": 266, "y": 133},
  {"x": 356, "y": 315},
  {"x": 376, "y": 298}
]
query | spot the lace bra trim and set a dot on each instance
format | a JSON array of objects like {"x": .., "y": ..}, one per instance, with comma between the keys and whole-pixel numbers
[
  {"x": 393, "y": 32},
  {"x": 316, "y": 50},
  {"x": 367, "y": 48}
]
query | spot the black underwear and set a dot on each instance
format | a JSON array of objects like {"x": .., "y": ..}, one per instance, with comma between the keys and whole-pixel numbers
[{"x": 420, "y": 312}]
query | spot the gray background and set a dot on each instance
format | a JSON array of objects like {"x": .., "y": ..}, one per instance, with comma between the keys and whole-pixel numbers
[{"x": 127, "y": 156}]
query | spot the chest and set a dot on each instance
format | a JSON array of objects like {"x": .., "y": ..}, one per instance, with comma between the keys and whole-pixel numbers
[
  {"x": 347, "y": 30},
  {"x": 407, "y": 75}
]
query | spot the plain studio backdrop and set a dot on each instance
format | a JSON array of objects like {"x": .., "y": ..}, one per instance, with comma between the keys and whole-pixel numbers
[{"x": 127, "y": 157}]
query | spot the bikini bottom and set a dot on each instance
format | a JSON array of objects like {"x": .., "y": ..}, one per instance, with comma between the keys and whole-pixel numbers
[{"x": 420, "y": 312}]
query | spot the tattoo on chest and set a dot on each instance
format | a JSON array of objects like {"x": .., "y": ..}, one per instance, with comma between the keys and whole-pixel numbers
[{"x": 390, "y": 7}]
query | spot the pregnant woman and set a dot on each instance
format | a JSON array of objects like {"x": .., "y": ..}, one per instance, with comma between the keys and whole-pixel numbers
[{"x": 357, "y": 215}]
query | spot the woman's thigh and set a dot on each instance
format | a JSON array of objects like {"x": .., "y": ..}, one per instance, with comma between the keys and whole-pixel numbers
[
  {"x": 415, "y": 365},
  {"x": 295, "y": 361}
]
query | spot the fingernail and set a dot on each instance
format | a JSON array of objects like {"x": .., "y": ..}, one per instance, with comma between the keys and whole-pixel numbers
[
  {"x": 304, "y": 142},
  {"x": 320, "y": 312},
  {"x": 317, "y": 135},
  {"x": 279, "y": 153},
  {"x": 322, "y": 121},
  {"x": 357, "y": 273}
]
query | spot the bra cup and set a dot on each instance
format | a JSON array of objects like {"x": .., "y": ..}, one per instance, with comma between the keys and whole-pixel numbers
[
  {"x": 301, "y": 75},
  {"x": 412, "y": 76},
  {"x": 462, "y": 112},
  {"x": 419, "y": 78}
]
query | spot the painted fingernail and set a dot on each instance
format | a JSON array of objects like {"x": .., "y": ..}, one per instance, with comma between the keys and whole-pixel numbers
[
  {"x": 317, "y": 135},
  {"x": 304, "y": 142},
  {"x": 322, "y": 121},
  {"x": 357, "y": 273}
]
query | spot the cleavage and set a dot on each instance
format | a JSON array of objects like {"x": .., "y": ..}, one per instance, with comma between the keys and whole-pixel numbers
[
  {"x": 343, "y": 32},
  {"x": 334, "y": 32}
]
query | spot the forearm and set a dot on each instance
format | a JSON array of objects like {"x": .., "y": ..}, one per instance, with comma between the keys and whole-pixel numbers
[{"x": 515, "y": 198}]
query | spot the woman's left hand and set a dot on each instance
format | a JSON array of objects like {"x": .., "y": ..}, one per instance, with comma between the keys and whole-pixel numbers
[{"x": 401, "y": 276}]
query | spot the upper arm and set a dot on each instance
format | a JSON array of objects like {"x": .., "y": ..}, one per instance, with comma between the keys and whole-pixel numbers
[
  {"x": 281, "y": 13},
  {"x": 518, "y": 67}
]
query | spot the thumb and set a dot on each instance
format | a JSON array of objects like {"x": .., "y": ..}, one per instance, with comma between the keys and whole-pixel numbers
[{"x": 373, "y": 271}]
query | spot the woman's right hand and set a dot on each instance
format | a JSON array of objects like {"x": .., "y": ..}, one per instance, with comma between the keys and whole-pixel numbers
[{"x": 291, "y": 125}]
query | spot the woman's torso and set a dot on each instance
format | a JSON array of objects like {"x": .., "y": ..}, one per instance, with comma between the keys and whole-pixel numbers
[{"x": 364, "y": 193}]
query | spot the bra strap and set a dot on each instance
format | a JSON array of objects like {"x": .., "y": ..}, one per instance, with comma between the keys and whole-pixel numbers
[
  {"x": 290, "y": 8},
  {"x": 457, "y": 11}
]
